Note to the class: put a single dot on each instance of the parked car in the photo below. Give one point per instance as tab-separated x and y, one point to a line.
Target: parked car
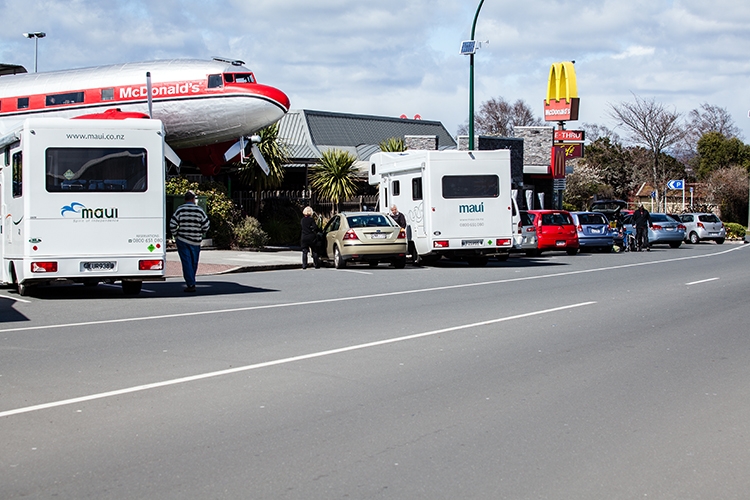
612	209
554	231
703	226
524	239
593	231
369	237
664	230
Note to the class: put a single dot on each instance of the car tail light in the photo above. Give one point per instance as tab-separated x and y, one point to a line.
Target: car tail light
44	267
150	265
350	235
680	226
700	225
579	228
520	227
440	244
531	229
401	234
503	242
656	227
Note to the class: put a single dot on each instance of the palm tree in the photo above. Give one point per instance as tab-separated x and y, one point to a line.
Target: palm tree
334	177
275	154
393	145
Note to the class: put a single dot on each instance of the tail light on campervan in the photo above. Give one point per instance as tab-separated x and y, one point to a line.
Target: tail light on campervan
150	265
44	267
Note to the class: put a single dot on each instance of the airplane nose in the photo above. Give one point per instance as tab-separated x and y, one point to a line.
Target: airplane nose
273	95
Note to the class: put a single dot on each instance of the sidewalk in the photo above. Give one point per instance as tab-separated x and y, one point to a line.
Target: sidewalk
236	261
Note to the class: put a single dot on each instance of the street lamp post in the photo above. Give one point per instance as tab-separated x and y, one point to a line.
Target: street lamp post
36	36
471	81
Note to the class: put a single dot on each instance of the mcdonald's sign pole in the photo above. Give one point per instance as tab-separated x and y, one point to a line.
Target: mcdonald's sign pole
471	81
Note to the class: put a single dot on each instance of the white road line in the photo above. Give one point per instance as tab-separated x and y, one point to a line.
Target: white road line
15	298
283	361
701	281
363	297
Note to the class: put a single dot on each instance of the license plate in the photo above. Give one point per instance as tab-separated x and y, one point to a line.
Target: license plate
596	230
98	266
471	243
560	243
379	236
669	228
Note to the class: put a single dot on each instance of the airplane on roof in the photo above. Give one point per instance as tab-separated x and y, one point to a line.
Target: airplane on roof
205	106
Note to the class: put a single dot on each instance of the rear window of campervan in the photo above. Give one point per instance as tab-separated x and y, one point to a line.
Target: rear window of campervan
96	169
471	186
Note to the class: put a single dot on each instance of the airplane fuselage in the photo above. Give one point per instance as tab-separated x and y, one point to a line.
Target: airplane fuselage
201	103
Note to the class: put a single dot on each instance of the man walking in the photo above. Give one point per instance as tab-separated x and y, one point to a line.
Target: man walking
188	225
641	221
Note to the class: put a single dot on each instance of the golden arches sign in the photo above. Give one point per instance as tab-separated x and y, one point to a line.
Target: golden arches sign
561	103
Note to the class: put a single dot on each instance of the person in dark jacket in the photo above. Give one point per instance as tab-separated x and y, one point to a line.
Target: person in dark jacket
398	216
641	221
308	238
188	226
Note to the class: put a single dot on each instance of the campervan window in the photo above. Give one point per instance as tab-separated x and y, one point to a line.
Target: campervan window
396	186
17	174
416	188
96	169
471	186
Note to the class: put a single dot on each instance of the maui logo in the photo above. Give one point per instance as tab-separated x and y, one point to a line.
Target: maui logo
75	209
471	209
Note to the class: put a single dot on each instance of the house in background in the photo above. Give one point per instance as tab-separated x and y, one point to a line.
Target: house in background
309	133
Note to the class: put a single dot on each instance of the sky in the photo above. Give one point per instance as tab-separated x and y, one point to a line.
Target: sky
397	57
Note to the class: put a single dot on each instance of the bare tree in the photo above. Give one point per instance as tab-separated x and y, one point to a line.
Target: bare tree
651	125
710	118
498	117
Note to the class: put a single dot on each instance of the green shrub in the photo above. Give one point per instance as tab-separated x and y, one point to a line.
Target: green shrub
249	234
219	207
280	219
734	230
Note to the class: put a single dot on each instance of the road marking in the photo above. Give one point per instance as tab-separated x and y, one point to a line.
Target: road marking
701	281
361	297
15	298
283	361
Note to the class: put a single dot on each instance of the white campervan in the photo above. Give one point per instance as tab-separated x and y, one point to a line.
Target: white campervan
457	203
83	201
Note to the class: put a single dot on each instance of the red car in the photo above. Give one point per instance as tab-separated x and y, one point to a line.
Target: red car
555	230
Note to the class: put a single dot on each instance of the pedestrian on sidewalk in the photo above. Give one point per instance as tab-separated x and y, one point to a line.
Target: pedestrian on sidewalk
308	238
188	226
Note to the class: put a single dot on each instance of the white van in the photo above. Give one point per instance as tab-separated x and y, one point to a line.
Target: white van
457	204
82	201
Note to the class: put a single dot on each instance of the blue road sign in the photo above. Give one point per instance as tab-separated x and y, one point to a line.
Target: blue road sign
676	184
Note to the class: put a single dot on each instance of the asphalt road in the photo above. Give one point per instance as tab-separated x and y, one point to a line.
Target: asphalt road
613	376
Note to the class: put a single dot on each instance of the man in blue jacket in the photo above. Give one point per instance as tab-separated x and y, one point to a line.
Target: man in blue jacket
188	226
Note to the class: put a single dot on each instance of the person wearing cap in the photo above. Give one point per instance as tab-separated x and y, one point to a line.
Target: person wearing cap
188	226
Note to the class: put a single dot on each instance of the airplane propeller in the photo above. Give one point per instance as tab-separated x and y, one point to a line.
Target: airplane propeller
239	148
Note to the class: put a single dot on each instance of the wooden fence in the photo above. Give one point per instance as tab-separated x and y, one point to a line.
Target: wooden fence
246	201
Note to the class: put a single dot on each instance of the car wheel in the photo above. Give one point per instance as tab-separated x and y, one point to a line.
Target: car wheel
338	259
720	241
399	262
694	238
571	251
675	244
22	289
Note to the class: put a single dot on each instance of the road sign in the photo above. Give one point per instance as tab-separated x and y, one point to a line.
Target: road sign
676	184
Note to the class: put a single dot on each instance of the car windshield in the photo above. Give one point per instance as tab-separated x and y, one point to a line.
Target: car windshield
370	220
557	219
708	218
591	219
